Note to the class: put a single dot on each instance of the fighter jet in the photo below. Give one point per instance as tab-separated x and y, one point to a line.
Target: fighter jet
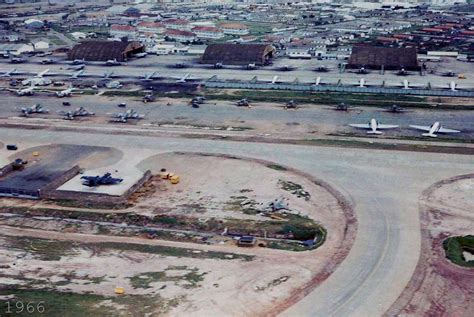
286	68
453	86
251	66
130	114
36	108
77	74
78	67
341	107
402	72
78	62
243	103
9	73
432	129
79	112
291	105
322	69
395	109
112	62
106	179
373	126
449	73
405	84
362	71
362	83
37	80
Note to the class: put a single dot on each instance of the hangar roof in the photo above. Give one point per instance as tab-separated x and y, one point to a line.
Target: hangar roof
103	50
237	54
389	57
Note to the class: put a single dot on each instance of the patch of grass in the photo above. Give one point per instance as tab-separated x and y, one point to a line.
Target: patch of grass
143	280
49	250
59	304
454	248
294	188
276	167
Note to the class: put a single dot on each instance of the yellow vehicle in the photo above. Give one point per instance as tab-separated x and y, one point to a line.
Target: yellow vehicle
462	76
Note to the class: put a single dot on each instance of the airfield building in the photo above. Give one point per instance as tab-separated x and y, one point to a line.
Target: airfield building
238	54
105	50
390	58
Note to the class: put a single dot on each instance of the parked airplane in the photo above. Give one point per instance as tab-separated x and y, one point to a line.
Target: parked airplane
9	73
449	73
130	114
67	92
150	77
185	78
342	107
243	103
402	72
38	80
78	67
291	105
106	179
77	74
114	84
405	84
322	69
78	62
251	66
25	91
362	83
373	125
79	112
112	62
453	86
286	68
108	75
432	129
395	109
362	71
17	60
36	108
218	66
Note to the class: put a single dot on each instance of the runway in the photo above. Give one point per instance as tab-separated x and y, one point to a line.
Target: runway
384	186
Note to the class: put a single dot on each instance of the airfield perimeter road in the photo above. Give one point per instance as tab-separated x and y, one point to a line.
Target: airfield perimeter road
384	186
304	71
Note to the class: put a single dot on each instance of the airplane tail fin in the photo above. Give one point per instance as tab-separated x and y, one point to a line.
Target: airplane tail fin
430	135
374	132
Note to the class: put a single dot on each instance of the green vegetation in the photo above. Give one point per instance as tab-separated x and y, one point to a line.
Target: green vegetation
276	167
59	304
143	280
242	204
52	250
454	248
294	188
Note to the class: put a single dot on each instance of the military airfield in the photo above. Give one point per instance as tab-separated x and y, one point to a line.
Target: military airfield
337	214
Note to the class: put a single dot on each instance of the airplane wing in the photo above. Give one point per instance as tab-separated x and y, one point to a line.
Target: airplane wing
444	130
420	127
386	126
361	125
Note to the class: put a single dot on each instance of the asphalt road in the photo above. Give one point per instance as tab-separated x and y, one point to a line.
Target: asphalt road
384	186
225	113
304	71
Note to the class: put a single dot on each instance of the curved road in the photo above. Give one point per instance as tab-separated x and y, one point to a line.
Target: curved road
385	186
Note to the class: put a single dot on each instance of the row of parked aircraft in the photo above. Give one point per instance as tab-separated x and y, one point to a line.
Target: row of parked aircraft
374	127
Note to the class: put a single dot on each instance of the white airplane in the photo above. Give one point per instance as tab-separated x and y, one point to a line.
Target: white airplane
405	84
9	73
108	75
275	80
373	125
67	92
362	83
114	84
77	74
38	80
25	91
37	108
185	78
149	77
432	129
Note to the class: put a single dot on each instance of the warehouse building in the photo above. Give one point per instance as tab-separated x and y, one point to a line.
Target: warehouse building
238	54
390	58
105	50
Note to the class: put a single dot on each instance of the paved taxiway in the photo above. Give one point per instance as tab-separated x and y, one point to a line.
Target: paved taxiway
384	186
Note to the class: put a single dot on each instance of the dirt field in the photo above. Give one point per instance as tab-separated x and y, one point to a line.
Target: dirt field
199	282
439	287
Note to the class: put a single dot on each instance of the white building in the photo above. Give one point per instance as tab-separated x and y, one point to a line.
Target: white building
40	44
177	24
181	36
151	27
119	31
208	32
235	28
16	49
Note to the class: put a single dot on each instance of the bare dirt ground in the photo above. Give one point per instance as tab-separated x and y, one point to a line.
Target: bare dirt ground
199	286
439	287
